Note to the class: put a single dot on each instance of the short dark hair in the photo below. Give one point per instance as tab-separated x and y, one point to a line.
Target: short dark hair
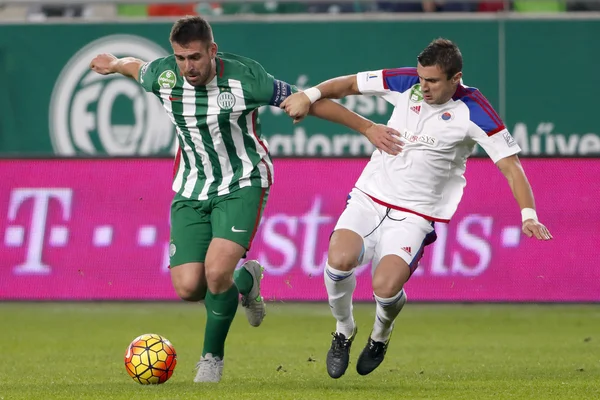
443	53
189	29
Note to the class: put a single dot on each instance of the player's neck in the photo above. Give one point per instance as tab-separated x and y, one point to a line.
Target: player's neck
445	100
213	71
440	103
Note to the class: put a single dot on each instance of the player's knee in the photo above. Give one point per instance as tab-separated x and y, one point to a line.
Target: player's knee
387	286
342	260
391	273
217	279
188	281
386	290
189	291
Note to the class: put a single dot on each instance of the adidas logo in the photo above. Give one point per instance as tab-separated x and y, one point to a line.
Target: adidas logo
416	109
408	250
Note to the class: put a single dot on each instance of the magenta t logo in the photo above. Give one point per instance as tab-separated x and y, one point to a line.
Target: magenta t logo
15	234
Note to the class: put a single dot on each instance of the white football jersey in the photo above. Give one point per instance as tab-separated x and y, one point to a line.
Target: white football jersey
427	177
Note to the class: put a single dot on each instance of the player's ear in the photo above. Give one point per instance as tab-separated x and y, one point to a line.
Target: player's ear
456	79
212	49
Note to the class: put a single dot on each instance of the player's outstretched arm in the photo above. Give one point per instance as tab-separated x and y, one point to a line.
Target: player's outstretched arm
298	104
106	64
381	136
314	101
513	171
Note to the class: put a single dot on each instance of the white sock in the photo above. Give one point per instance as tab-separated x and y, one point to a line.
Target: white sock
386	312
340	287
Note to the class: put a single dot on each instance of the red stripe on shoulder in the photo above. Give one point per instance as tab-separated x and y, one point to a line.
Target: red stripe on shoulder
221	67
484	103
498	129
400	71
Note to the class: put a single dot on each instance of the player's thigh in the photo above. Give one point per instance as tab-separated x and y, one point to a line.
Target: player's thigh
191	234
354	235
236	216
401	246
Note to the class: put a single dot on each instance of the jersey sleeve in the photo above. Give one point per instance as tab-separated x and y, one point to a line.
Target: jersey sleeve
384	81
487	129
148	75
268	90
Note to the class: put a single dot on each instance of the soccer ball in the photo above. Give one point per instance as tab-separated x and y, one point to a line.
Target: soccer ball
150	359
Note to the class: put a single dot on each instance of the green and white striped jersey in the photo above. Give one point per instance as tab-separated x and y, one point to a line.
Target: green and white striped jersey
220	141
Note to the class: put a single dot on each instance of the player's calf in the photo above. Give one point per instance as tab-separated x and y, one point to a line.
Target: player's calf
386	312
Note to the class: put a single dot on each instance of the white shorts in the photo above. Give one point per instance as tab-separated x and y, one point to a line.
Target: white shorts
386	231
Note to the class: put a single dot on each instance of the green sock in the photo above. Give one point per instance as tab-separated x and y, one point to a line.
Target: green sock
220	311
243	280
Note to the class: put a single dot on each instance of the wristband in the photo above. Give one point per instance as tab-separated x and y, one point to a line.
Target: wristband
528	213
313	94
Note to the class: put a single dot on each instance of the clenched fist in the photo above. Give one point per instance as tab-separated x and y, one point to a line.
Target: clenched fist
104	64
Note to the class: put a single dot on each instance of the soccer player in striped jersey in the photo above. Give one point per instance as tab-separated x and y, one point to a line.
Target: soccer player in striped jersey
391	212
223	170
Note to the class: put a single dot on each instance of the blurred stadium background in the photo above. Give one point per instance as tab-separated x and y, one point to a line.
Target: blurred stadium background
85	172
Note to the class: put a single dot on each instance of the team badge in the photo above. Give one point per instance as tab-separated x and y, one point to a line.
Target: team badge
447	116
226	100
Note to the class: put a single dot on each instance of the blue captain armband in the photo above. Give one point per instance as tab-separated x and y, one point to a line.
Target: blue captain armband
281	90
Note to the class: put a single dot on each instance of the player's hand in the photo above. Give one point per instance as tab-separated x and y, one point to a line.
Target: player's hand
385	138
103	64
532	227
296	106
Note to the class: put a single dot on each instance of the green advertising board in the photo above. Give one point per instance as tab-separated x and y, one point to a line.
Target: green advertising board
539	75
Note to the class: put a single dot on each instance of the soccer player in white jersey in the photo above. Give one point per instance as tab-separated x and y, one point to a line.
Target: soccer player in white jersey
223	170
391	211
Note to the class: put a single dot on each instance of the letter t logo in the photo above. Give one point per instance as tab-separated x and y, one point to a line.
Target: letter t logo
58	234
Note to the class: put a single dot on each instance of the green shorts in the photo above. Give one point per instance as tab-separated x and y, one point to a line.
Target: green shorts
195	223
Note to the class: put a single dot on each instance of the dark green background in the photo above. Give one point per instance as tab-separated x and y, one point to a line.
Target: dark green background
551	75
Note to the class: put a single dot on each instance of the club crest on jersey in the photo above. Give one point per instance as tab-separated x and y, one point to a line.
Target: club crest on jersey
226	100
446	116
167	80
416	94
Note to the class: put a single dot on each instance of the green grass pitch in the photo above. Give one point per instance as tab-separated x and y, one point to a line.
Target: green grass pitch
76	350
